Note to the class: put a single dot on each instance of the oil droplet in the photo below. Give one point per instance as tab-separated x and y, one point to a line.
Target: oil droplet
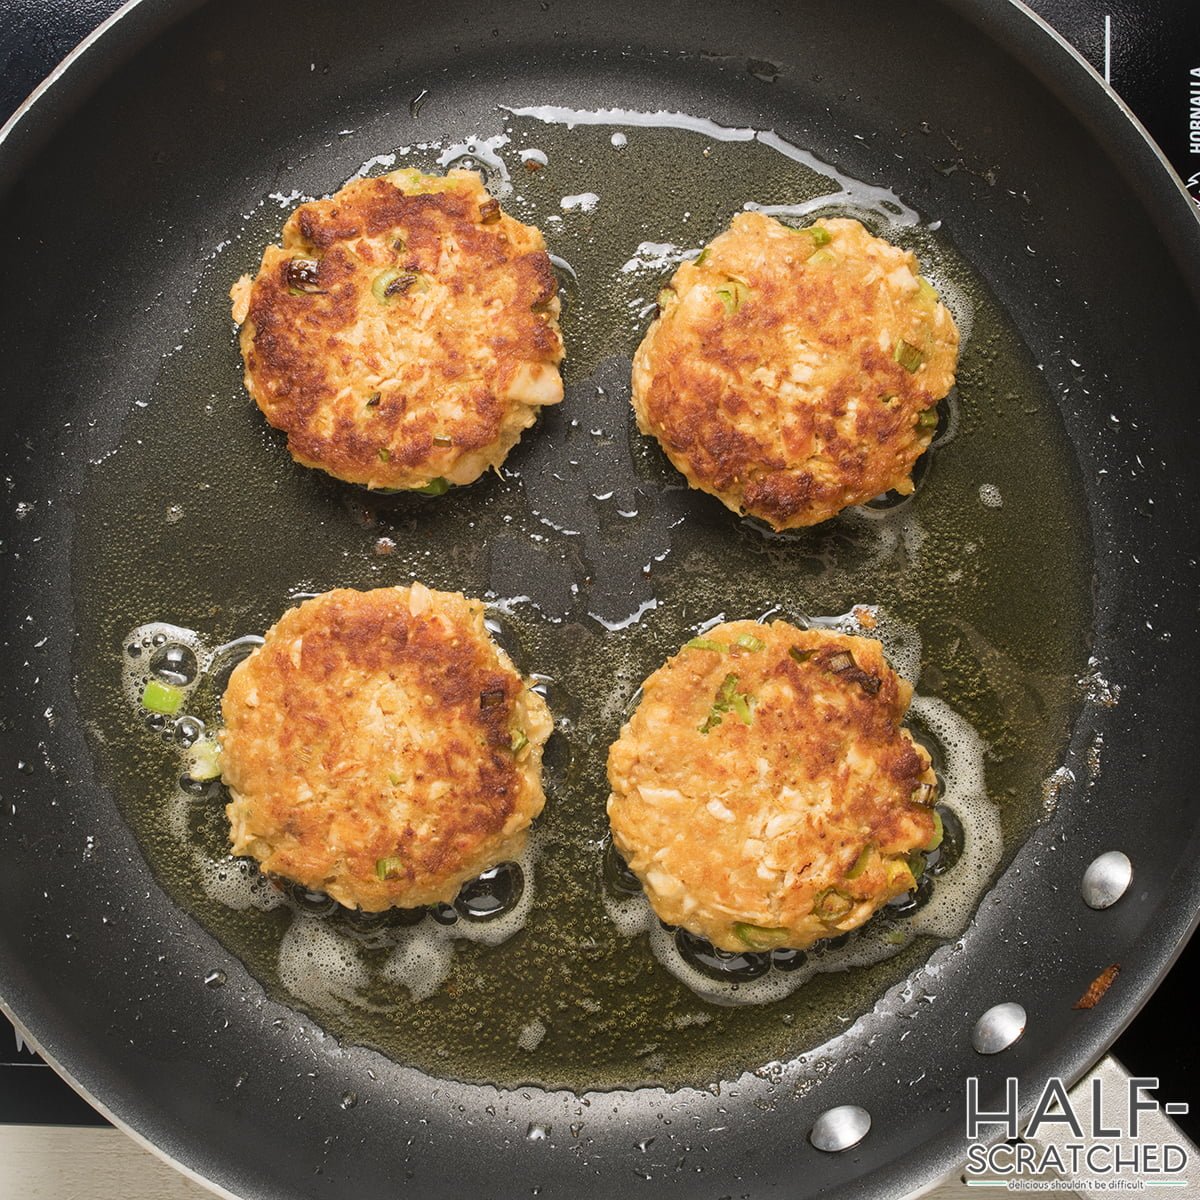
537	1132
215	979
416	103
348	1100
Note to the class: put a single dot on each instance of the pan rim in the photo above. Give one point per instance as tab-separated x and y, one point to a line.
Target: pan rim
1113	95
103	1109
75	73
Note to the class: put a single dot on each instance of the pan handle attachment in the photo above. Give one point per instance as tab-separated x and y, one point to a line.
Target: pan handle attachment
1110	1081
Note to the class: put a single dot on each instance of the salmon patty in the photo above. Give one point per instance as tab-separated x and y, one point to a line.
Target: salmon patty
792	373
764	791
379	747
404	333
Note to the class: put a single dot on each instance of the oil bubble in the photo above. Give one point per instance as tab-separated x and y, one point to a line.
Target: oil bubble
491	893
188	730
175	664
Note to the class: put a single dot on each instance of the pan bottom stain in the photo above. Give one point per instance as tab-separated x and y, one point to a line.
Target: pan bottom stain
597	562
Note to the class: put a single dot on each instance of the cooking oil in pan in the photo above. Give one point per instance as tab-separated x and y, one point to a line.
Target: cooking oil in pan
598	563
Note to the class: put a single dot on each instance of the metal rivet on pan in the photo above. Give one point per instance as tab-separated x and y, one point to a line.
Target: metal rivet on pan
998	1028
1107	879
840	1128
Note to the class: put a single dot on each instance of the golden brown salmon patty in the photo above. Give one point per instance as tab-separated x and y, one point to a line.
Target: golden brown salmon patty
764	791
381	748
793	372
404	333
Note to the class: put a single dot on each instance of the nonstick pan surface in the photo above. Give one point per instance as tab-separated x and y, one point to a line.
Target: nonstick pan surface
1053	216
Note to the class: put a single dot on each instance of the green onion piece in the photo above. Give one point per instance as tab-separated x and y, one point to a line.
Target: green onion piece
303	277
733	295
819	236
916	864
908	356
702	643
927	419
843	660
823	256
801	656
163	698
759	937
435	487
895	937
861	862
935	838
399	244
373	399
664	297
386	868
388	285
749	642
701	256
728	699
899	871
204	761
385	455
831	904
925	793
519	741
442	440
394	779
926	290
379	285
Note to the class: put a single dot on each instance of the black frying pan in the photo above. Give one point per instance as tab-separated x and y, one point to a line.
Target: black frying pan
117	185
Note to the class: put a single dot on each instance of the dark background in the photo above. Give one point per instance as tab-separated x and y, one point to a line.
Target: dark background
1151	48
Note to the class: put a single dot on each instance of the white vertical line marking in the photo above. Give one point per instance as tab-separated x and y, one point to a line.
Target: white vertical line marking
1108	49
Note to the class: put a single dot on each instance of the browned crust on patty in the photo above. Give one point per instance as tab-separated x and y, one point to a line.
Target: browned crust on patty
439	378
752	823
378	727
784	397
